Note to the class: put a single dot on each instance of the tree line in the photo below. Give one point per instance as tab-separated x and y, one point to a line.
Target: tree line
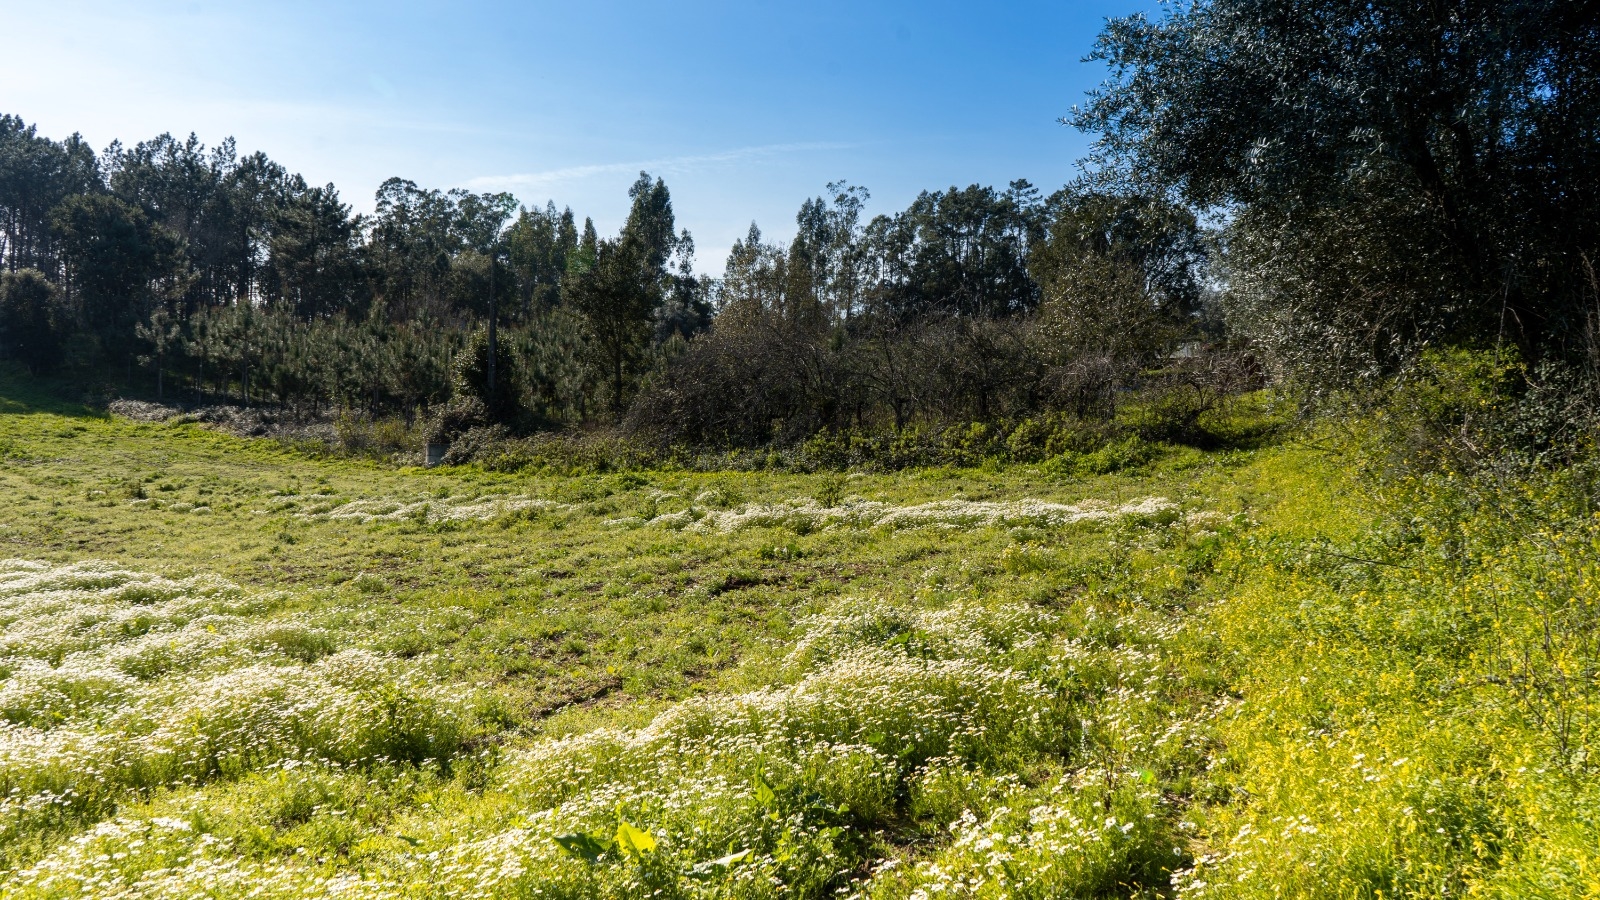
1330	189
196	272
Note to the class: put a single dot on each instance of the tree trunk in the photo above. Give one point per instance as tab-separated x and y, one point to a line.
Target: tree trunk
616	386
494	309
494	347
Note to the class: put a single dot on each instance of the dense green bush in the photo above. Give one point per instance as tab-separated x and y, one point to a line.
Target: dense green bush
33	320
1463	410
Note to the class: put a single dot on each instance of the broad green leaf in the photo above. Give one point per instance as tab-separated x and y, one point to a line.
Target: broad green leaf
764	794
584	846
634	841
718	866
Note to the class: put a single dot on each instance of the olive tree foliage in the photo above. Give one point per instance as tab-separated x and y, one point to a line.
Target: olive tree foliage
1396	174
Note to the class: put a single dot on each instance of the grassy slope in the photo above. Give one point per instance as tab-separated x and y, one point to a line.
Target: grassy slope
551	607
1233	696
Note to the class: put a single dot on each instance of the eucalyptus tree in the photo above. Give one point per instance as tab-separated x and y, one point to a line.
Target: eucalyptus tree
825	261
480	221
615	301
755	275
807	267
618	286
313	263
650	226
686	304
961	251
537	246
411	239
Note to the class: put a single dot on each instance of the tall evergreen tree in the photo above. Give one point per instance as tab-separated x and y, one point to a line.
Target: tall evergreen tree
537	245
650	226
615	299
409	248
31	319
36	175
313	255
119	265
961	252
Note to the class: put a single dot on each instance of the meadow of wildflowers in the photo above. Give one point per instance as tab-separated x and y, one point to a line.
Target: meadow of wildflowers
119	682
1248	675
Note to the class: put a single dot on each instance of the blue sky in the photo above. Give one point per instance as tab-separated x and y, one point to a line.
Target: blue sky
745	109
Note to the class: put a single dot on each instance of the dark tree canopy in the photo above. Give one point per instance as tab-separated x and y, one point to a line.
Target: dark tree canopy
962	251
314	254
611	292
31	319
537	245
1397	172
119	263
212	273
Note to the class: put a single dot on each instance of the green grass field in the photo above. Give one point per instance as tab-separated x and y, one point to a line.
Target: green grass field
237	669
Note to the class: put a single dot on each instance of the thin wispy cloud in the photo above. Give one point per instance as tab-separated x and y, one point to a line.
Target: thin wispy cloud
669	165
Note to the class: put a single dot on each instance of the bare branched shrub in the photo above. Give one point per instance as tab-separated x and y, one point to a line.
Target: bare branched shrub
754	378
1176	397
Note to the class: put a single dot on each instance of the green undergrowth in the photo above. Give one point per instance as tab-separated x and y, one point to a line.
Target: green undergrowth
1144	429
233	668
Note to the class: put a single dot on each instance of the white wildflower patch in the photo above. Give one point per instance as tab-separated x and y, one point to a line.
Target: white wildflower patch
1087	834
764	793
452	508
177	506
807	515
962	630
48	612
747	794
113	680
